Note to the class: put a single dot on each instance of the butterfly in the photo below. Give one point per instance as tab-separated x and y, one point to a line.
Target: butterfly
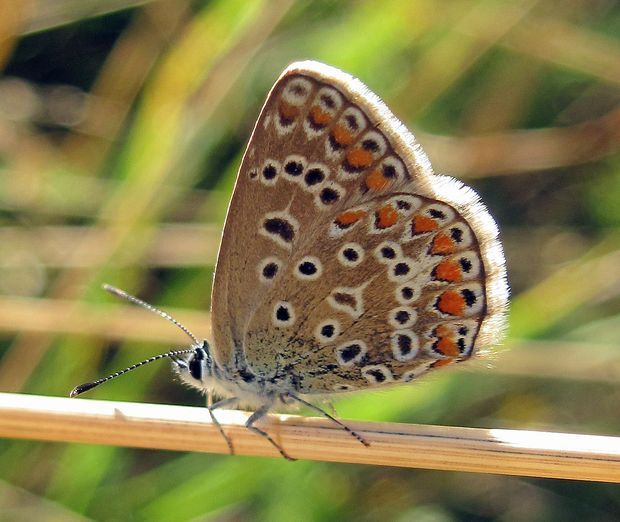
345	264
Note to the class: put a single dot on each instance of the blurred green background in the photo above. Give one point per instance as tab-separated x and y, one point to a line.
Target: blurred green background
122	124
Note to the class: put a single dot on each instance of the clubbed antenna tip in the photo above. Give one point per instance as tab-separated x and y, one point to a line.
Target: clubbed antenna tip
82	388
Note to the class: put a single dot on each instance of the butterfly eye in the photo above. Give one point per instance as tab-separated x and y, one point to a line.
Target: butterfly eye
350	254
196	368
281	228
294	95
353	119
387	252
329	196
270	172
451	240
456	234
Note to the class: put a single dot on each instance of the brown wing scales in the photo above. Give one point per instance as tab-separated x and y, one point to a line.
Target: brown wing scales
340	263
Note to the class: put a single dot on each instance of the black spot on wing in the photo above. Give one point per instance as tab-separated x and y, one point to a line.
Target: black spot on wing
281	228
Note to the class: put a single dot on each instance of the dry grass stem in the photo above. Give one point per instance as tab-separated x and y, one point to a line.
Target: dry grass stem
507	452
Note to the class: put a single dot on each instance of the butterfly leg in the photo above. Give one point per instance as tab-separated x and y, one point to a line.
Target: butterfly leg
258	414
330	417
221	404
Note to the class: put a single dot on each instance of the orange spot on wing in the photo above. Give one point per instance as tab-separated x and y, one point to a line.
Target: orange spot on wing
319	116
443	244
446	344
350	216
443	330
448	271
441	362
448	347
359	158
342	136
423	224
288	111
386	217
451	302
376	180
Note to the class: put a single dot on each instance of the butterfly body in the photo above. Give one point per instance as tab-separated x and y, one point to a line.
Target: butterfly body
345	263
201	371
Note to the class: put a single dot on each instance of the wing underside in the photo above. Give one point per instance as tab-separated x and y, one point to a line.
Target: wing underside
345	262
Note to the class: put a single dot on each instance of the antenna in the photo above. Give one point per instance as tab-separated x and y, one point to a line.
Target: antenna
133	299
90	385
174	354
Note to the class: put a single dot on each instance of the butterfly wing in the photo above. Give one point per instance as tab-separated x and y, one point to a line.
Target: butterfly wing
345	262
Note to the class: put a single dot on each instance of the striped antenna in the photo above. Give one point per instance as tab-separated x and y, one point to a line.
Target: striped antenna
90	385
133	299
169	355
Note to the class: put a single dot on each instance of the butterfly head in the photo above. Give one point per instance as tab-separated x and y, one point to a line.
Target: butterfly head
194	365
197	368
